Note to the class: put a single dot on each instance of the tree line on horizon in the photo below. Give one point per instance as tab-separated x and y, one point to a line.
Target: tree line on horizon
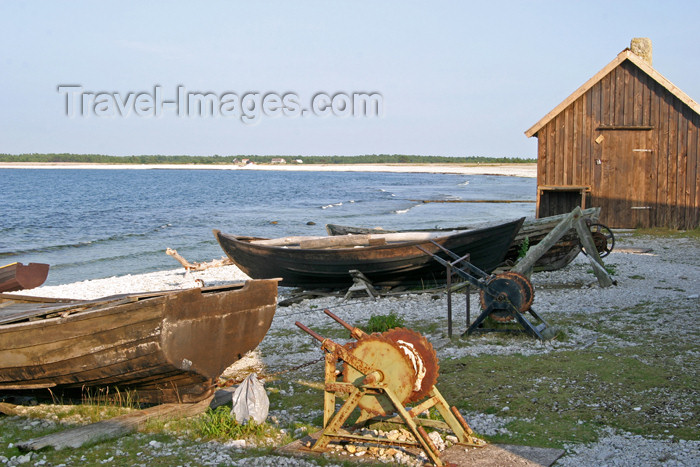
216	159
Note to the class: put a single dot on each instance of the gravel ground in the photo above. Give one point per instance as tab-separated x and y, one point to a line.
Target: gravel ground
668	275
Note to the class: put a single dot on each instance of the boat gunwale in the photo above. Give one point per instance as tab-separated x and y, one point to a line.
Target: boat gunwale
457	234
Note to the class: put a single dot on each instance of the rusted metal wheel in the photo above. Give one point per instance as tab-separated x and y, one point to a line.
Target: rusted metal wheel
603	238
422	356
506	294
384	356
528	292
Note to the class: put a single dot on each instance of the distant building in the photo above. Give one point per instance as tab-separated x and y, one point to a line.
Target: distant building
278	160
298	161
628	141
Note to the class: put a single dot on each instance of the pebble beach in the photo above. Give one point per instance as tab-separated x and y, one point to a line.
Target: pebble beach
650	271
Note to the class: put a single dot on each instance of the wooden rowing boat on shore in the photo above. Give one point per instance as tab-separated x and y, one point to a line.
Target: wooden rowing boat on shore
17	276
325	262
534	230
164	346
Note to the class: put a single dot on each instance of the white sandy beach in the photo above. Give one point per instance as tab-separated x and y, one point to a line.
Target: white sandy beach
514	170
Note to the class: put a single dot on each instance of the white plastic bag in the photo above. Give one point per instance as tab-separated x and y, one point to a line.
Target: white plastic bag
250	401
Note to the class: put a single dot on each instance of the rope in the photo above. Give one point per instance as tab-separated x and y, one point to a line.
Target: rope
234	381
312	310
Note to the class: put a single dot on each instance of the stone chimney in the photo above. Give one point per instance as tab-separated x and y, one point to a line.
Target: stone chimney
642	46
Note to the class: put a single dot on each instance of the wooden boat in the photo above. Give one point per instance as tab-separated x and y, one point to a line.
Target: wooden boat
325	262
17	276
164	346
559	256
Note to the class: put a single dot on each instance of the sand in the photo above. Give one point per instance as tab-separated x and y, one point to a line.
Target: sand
514	170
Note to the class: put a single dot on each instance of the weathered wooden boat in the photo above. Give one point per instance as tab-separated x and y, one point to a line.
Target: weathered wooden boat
385	259
534	230
164	346
17	276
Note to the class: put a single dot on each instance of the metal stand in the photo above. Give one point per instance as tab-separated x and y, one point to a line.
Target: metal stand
450	289
505	297
528	327
380	383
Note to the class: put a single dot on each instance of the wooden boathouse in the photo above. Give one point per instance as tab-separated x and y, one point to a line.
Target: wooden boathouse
627	141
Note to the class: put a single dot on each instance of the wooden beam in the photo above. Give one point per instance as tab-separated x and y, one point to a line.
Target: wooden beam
584	234
524	266
112	428
574	219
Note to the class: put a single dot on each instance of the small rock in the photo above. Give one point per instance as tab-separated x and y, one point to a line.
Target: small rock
23	459
350	448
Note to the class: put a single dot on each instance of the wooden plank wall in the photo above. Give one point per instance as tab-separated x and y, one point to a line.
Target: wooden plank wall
628	97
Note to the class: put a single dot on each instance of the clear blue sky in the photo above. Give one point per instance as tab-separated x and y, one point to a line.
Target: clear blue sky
456	78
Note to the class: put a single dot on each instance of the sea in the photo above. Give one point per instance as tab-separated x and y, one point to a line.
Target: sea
94	223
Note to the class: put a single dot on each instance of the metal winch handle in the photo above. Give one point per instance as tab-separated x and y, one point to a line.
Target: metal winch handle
356	333
475	281
310	332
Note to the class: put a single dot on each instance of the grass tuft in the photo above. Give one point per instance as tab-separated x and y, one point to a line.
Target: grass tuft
220	424
381	323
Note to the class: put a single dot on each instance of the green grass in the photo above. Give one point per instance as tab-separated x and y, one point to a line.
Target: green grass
220	425
382	323
565	397
636	377
524	247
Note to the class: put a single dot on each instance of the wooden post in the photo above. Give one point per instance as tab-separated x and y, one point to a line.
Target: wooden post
586	238
524	266
575	220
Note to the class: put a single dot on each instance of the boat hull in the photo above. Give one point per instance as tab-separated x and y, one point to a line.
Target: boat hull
560	255
167	347
390	264
17	276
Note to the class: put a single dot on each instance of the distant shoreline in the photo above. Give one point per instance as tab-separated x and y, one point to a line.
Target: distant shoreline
528	170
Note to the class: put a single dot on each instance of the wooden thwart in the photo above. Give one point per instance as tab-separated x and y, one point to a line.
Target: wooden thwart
314	242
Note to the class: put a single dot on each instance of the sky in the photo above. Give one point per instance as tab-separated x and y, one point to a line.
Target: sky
289	78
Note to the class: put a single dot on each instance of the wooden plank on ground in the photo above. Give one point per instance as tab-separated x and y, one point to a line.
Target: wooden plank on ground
112	428
8	409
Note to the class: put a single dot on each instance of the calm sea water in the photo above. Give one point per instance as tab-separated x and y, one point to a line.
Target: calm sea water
91	224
